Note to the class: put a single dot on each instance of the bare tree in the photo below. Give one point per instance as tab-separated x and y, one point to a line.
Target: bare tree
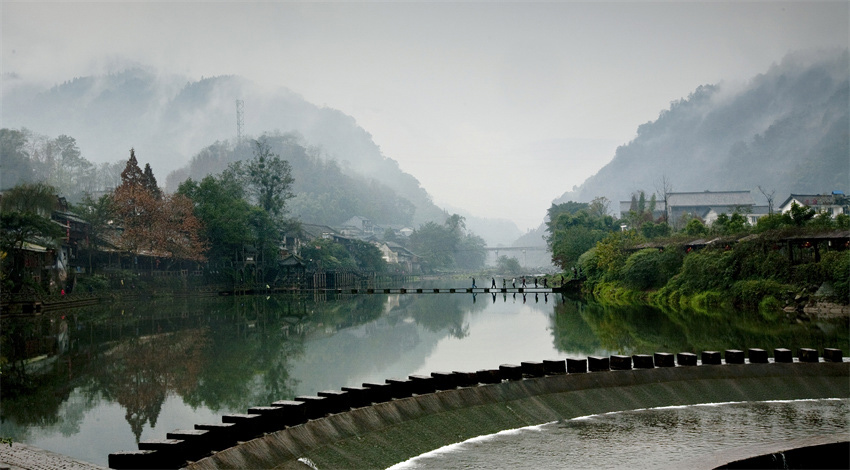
663	188
769	196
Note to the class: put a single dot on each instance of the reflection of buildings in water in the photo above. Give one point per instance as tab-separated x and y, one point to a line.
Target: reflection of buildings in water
62	338
391	303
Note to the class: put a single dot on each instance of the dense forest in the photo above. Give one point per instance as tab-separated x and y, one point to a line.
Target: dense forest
324	192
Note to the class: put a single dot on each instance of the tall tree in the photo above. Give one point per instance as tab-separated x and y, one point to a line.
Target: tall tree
227	218
769	195
15	166
663	188
149	182
25	218
270	179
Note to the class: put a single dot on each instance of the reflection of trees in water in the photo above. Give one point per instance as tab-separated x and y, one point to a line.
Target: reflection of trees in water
142	372
571	332
640	329
438	312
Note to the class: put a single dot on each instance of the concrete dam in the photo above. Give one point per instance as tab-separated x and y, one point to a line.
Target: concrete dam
379	424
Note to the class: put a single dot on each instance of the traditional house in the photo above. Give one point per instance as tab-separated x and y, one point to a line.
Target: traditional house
76	236
397	255
834	204
357	226
707	205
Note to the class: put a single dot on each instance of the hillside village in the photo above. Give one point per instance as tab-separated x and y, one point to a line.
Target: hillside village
56	264
679	207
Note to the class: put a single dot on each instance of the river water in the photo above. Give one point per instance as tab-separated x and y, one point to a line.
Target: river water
92	381
697	436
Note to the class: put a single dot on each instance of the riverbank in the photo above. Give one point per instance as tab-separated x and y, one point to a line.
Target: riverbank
795	308
17	456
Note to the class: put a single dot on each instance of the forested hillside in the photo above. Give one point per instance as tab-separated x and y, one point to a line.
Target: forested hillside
325	193
786	131
169	120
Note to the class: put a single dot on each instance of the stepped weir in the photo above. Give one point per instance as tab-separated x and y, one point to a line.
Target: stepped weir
379	424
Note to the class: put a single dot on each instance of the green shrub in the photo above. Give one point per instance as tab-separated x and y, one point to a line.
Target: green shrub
641	269
836	268
95	282
707	270
770	308
589	264
809	273
752	292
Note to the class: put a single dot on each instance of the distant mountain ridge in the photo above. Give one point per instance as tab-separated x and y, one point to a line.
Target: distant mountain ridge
786	130
170	121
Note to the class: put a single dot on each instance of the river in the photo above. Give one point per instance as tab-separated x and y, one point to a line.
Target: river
91	381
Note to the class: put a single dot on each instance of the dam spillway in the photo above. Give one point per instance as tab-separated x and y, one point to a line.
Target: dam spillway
380	424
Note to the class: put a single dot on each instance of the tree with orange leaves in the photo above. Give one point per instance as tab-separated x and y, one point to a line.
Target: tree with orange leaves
156	224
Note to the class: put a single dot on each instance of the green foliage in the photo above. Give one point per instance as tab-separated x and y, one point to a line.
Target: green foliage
448	246
770	308
737	223
25	213
822	220
752	292
94	283
589	264
706	270
15	165
695	228
367	257
569	207
651	230
611	254
507	265
326	192
650	268
329	255
269	179
571	234
230	222
773	222
801	214
836	267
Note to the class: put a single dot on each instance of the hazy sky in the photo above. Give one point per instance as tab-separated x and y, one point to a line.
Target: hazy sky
497	108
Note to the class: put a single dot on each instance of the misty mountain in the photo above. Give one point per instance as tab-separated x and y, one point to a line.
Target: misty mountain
187	128
785	130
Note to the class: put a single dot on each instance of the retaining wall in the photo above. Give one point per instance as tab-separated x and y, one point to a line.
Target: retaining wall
380	424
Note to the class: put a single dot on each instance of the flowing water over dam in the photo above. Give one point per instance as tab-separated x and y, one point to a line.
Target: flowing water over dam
675	437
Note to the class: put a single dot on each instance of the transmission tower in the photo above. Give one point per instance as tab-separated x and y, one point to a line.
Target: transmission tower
240	123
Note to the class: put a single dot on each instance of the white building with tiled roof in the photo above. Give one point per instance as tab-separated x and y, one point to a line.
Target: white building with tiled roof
707	205
831	203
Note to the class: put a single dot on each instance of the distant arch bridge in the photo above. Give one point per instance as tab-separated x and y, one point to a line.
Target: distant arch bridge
538	254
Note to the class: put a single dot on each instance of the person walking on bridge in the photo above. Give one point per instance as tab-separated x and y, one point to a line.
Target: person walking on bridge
493	282
473	283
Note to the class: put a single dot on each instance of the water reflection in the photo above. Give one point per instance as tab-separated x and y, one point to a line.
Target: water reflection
92	381
644	330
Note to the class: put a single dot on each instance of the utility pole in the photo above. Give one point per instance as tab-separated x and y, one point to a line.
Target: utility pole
240	110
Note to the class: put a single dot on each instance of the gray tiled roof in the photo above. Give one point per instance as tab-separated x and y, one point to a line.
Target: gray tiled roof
711	199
